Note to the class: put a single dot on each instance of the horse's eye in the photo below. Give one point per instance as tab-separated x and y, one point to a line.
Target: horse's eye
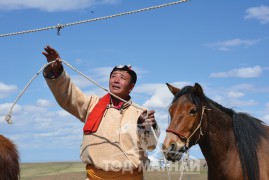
193	111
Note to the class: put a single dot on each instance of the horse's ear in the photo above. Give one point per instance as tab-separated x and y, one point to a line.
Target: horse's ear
173	89
198	90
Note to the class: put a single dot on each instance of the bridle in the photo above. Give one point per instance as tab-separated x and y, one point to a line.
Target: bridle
199	127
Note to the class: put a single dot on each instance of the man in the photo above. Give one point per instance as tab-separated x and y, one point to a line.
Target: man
116	134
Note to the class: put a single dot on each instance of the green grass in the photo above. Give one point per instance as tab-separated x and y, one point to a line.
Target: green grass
36	170
76	171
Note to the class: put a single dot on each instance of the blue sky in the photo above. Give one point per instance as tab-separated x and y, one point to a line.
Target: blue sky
222	45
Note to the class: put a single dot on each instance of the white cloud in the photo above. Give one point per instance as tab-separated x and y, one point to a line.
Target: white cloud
266	119
98	75
4	108
148	88
102	73
231	102
151	88
161	97
267	106
52	6
235	94
43	103
5	89
80	81
238	103
63	113
249	72
36	126
78	62
234	97
232	43
243	87
266	114
219	99
34	109
260	13
97	91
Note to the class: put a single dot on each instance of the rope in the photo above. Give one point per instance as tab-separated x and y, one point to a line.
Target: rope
61	26
160	147
8	117
185	162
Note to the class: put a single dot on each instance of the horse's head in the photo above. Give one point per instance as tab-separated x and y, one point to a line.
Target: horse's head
186	112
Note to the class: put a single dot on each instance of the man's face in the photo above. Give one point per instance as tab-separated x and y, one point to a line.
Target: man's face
120	84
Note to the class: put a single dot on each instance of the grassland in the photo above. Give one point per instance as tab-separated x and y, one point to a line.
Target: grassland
76	171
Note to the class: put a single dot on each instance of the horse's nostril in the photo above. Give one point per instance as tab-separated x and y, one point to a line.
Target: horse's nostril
172	147
183	149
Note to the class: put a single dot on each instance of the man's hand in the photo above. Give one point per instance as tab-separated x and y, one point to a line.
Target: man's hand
146	120
51	54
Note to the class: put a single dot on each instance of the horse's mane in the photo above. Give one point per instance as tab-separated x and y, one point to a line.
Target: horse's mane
248	131
9	160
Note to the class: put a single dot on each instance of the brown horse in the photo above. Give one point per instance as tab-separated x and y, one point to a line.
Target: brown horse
9	160
235	145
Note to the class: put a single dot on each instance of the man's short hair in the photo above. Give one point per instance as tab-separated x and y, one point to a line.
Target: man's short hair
127	68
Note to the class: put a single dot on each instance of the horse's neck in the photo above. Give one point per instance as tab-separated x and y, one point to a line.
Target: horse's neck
219	138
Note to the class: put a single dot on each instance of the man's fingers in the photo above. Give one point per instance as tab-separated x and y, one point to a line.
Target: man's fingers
150	116
150	120
45	54
144	114
48	48
51	54
149	123
151	113
51	50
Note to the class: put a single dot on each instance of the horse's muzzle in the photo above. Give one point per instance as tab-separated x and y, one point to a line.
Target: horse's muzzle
173	152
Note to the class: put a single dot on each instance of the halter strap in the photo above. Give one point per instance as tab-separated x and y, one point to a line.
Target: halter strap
180	135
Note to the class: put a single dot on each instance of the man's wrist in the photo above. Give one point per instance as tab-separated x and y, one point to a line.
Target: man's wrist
52	73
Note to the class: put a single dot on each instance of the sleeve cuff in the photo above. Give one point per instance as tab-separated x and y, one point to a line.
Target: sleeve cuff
52	74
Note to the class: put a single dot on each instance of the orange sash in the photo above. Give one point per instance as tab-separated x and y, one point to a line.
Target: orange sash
95	117
98	174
